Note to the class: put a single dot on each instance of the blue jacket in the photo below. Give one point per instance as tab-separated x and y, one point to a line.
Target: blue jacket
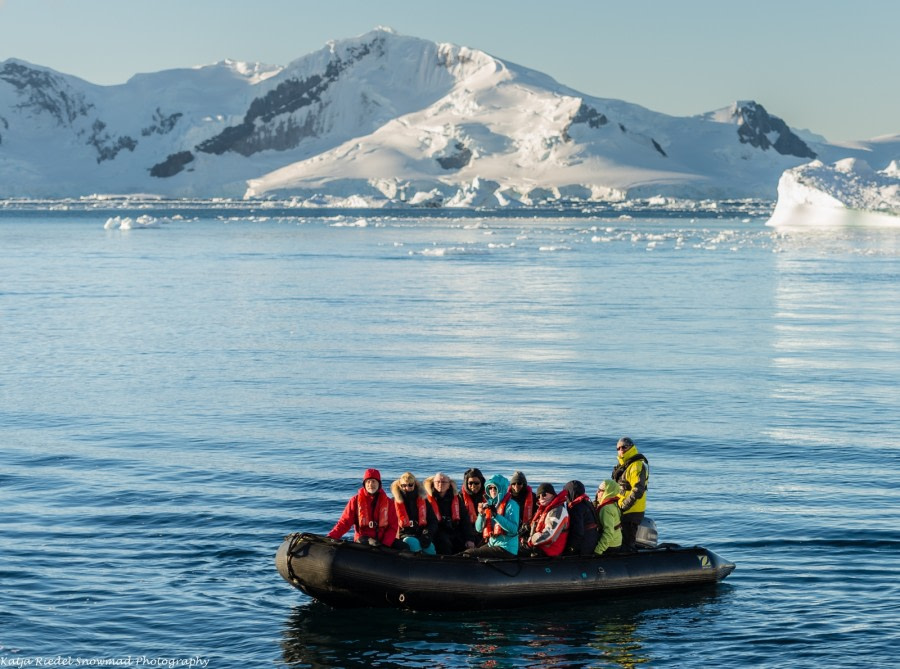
508	521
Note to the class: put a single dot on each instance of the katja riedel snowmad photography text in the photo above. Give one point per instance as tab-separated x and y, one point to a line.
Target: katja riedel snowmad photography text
124	661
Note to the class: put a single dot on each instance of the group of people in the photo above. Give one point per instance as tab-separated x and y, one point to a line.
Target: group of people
500	517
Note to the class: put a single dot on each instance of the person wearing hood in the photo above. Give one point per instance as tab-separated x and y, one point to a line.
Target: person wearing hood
371	514
498	521
609	518
415	516
451	523
470	496
520	491
550	526
583	534
632	473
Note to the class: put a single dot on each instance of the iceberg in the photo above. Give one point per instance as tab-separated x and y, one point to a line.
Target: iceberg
847	192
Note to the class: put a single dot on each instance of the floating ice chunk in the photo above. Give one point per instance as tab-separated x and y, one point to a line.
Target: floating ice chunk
128	223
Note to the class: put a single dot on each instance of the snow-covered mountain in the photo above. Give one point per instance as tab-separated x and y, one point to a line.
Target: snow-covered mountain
383	118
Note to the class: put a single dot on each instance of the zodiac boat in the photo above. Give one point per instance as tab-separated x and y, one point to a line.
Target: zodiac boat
344	574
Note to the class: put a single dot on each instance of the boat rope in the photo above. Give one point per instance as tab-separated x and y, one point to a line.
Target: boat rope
295	539
496	564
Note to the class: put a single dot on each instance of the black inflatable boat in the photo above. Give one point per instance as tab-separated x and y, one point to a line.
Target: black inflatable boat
345	574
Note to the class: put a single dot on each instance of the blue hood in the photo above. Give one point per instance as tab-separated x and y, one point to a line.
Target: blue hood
502	484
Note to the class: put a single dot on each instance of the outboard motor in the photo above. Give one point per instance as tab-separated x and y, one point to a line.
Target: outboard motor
647	536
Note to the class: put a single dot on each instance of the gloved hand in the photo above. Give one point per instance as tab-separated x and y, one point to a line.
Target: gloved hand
374	542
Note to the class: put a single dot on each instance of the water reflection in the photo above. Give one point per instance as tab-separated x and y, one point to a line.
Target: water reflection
614	634
835	356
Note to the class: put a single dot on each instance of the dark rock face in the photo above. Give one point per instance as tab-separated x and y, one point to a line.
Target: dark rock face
43	92
457	160
107	146
172	165
161	124
257	131
755	125
589	115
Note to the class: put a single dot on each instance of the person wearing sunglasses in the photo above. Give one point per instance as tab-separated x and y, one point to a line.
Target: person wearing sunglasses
632	473
471	495
520	491
415	516
550	526
498	521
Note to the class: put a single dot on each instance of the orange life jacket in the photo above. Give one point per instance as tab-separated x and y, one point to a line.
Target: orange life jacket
470	505
454	508
403	517
527	507
490	527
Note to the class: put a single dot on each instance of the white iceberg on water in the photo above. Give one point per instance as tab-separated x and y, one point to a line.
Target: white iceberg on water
848	192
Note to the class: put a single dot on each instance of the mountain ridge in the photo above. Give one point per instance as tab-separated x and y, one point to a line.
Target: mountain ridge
388	119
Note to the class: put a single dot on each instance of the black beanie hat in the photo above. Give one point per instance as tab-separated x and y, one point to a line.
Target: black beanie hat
518	477
545	487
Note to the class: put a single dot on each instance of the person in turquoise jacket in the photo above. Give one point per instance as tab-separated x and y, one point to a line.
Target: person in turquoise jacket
498	521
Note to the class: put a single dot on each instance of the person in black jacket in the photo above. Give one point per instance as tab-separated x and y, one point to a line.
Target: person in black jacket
470	496
449	525
583	531
415	516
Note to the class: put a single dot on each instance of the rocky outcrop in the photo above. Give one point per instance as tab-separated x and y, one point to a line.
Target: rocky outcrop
108	146
461	157
45	92
162	124
257	132
172	165
755	125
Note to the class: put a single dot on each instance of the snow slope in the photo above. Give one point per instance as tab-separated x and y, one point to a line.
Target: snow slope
382	119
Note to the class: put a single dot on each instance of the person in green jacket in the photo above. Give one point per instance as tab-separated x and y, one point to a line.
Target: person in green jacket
609	518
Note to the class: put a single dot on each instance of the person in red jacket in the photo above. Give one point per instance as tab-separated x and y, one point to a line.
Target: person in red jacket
371	514
550	525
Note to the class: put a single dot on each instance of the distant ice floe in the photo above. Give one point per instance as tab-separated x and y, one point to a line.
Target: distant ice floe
849	192
129	223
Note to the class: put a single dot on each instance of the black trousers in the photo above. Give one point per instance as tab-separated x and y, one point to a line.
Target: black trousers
630	524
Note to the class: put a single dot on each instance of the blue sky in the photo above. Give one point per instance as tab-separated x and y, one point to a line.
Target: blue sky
830	66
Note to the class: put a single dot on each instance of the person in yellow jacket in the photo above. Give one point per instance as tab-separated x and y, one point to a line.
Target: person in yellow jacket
632	473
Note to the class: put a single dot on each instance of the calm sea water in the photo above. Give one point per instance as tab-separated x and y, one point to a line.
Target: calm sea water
175	398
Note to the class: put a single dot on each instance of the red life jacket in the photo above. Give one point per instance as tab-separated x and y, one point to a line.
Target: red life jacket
581	499
368	526
609	500
470	505
403	517
454	508
557	545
